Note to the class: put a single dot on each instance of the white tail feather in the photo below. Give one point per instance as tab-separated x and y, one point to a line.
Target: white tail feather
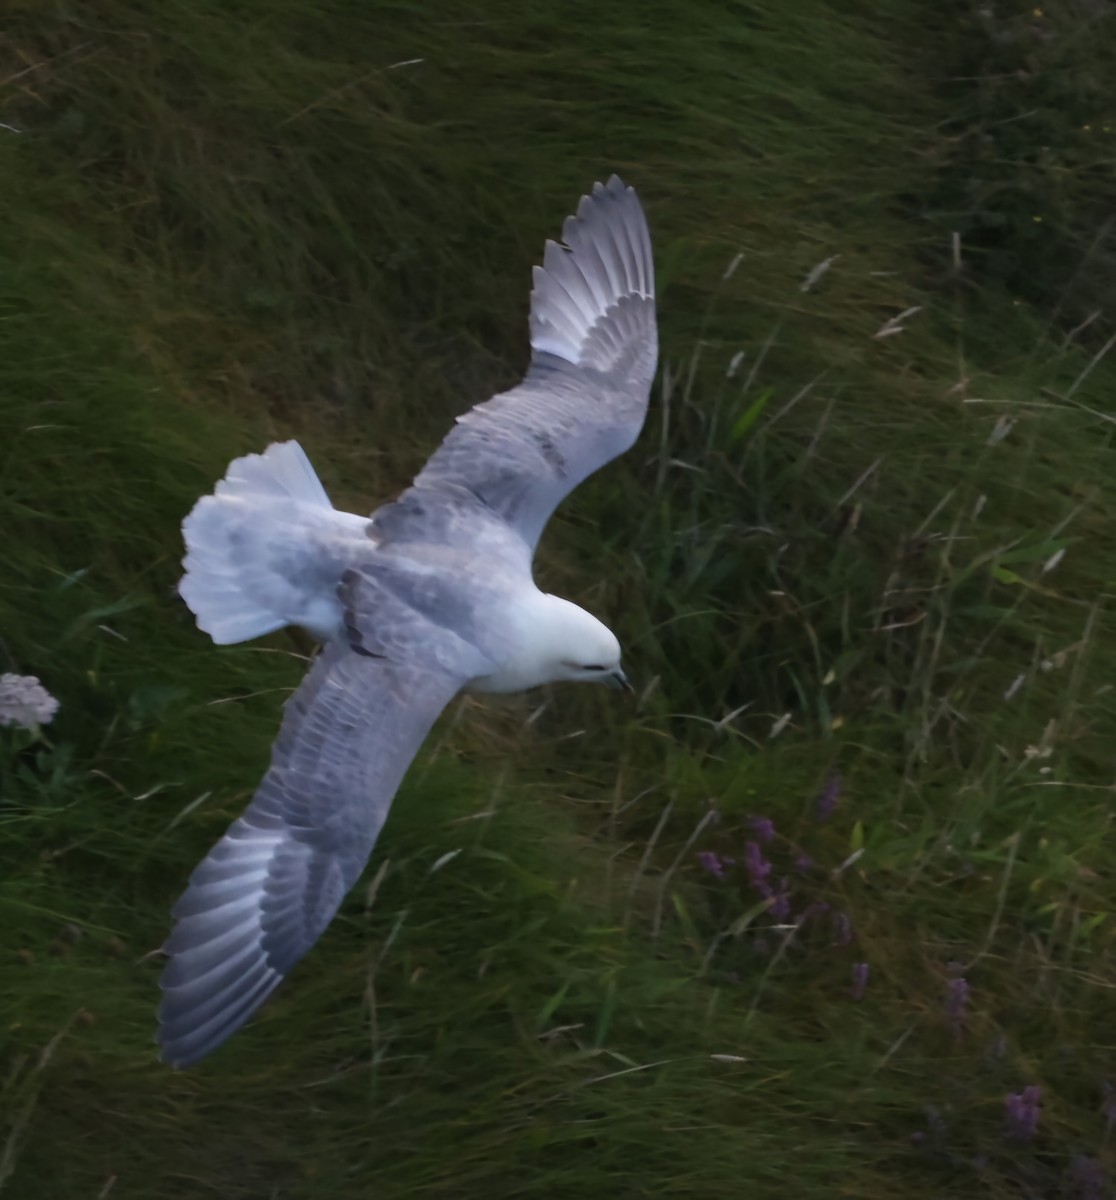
282	470
266	549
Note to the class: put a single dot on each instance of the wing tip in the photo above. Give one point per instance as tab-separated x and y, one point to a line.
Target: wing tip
606	260
186	1037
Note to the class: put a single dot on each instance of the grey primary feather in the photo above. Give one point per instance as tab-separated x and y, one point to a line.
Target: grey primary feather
584	398
269	888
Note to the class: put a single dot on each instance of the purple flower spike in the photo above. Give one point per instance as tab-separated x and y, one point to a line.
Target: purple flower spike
827	798
842	928
756	865
1089	1178
860	980
780	906
957	1003
803	863
1021	1110
712	863
763	828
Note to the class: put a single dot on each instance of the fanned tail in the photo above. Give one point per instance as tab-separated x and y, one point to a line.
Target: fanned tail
259	549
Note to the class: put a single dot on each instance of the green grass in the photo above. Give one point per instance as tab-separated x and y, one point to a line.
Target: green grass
226	223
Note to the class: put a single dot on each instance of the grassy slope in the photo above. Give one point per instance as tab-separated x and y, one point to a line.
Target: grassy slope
223	223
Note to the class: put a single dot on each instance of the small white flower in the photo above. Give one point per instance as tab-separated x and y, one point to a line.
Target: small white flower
24	702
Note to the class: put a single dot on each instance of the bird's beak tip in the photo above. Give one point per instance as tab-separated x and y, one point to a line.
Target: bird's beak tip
620	681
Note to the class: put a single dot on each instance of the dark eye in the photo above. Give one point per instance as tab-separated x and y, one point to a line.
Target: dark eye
594	667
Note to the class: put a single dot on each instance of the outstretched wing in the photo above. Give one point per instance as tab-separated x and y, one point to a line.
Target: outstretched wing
269	888
594	349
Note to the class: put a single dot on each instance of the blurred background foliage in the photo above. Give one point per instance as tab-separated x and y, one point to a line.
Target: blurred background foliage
862	552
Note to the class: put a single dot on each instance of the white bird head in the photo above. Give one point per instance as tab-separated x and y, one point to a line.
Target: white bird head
582	649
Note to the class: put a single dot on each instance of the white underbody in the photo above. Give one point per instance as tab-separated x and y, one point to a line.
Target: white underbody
268	550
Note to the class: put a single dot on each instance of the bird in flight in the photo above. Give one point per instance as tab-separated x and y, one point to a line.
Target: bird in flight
431	594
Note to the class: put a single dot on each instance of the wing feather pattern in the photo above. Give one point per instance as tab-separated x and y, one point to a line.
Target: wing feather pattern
594	349
269	888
